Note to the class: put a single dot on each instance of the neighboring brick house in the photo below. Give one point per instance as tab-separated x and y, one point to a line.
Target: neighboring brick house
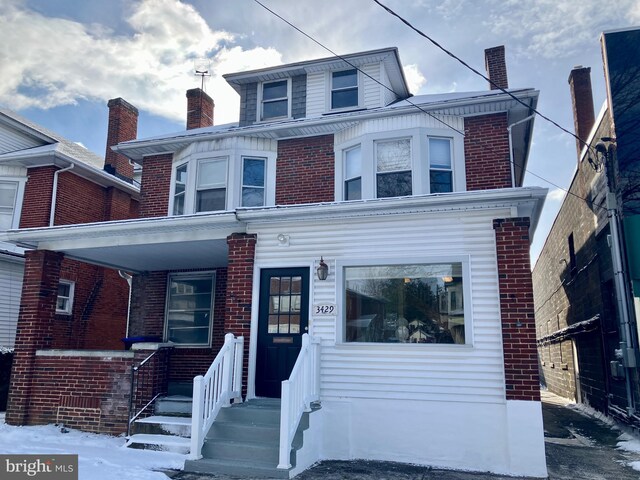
47	180
392	228
585	322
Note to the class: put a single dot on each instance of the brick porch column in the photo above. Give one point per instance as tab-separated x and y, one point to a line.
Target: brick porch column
522	380
242	247
35	322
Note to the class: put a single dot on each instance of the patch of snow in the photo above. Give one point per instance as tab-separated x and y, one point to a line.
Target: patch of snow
4	350
629	443
101	457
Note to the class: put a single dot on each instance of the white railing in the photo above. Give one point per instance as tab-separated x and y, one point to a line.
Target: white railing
216	389
302	388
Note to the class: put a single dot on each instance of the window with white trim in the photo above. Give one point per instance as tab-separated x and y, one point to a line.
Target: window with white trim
211	185
253	181
189	312
180	189
275	100
344	89
8	202
353	173
440	166
393	168
405	303
64	302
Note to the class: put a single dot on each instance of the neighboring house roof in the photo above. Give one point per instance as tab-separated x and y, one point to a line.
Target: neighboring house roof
58	151
388	56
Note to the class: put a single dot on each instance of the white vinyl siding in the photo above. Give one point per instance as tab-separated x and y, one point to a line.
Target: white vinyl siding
12	140
447	373
316	94
11	274
371	88
387	93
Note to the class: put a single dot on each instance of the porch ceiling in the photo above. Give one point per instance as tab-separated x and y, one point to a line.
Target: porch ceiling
172	243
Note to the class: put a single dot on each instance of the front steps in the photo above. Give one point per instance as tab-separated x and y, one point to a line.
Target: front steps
244	442
169	429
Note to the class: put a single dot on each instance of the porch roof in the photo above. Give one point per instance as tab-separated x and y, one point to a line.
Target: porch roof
166	243
199	241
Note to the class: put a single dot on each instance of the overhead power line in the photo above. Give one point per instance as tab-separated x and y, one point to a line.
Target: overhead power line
589	203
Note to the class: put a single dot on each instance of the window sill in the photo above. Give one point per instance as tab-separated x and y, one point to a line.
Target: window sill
427	347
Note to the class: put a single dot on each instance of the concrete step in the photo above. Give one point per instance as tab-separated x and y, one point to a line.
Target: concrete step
180	388
163	425
234	468
241	451
167	443
174	405
244	432
253	412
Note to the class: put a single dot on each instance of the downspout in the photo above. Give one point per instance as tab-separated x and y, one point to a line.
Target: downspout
513	173
129	280
54	194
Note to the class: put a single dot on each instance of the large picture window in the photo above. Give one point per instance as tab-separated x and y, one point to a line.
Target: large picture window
393	166
190	308
405	303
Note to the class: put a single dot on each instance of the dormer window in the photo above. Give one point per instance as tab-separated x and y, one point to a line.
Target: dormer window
344	89
275	100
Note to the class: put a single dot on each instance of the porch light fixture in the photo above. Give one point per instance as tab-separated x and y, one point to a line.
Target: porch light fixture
283	240
322	270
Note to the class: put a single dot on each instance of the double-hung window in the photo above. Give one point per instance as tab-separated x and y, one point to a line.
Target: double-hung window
393	168
180	190
190	302
8	199
253	181
353	173
344	89
211	185
275	100
64	302
405	303
440	166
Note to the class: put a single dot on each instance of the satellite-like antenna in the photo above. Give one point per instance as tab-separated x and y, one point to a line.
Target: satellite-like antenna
201	67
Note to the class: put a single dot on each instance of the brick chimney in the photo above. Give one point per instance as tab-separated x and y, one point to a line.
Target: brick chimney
123	126
582	102
199	109
494	62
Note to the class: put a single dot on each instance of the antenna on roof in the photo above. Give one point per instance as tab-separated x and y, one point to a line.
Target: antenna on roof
201	67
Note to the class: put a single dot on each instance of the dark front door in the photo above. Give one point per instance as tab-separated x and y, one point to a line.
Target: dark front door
283	317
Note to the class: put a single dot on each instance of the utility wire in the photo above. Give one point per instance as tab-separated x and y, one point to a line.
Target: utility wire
452	55
589	203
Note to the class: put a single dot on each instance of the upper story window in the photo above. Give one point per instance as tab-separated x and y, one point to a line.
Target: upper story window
353	173
253	182
11	193
440	166
180	190
275	100
344	89
393	168
412	161
211	185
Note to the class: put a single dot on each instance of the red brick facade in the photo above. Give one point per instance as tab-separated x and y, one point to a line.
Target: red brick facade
37	197
522	380
35	328
486	148
155	186
123	126
496	66
240	290
305	170
199	109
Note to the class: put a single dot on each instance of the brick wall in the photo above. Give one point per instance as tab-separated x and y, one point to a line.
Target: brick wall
305	170
36	204
156	186
199	109
78	200
240	290
567	295
486	148
94	395
35	327
122	126
522	380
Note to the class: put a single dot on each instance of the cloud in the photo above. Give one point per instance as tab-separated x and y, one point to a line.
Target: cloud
415	78
556	195
49	62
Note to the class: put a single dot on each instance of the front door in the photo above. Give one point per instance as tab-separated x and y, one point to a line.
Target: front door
283	316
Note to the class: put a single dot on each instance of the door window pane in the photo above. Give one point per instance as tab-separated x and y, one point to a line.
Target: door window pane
285	300
405	303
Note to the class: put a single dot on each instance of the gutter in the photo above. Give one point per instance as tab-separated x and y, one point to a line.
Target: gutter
54	194
513	173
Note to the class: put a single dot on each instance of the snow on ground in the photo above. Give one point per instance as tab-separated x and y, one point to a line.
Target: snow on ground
629	443
101	457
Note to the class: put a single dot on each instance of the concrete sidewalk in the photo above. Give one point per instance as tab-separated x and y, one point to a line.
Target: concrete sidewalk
578	447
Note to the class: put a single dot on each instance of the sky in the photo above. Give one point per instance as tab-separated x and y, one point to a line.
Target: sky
62	60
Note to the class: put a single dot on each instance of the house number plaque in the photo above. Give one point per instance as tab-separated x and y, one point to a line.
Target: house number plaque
327	309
